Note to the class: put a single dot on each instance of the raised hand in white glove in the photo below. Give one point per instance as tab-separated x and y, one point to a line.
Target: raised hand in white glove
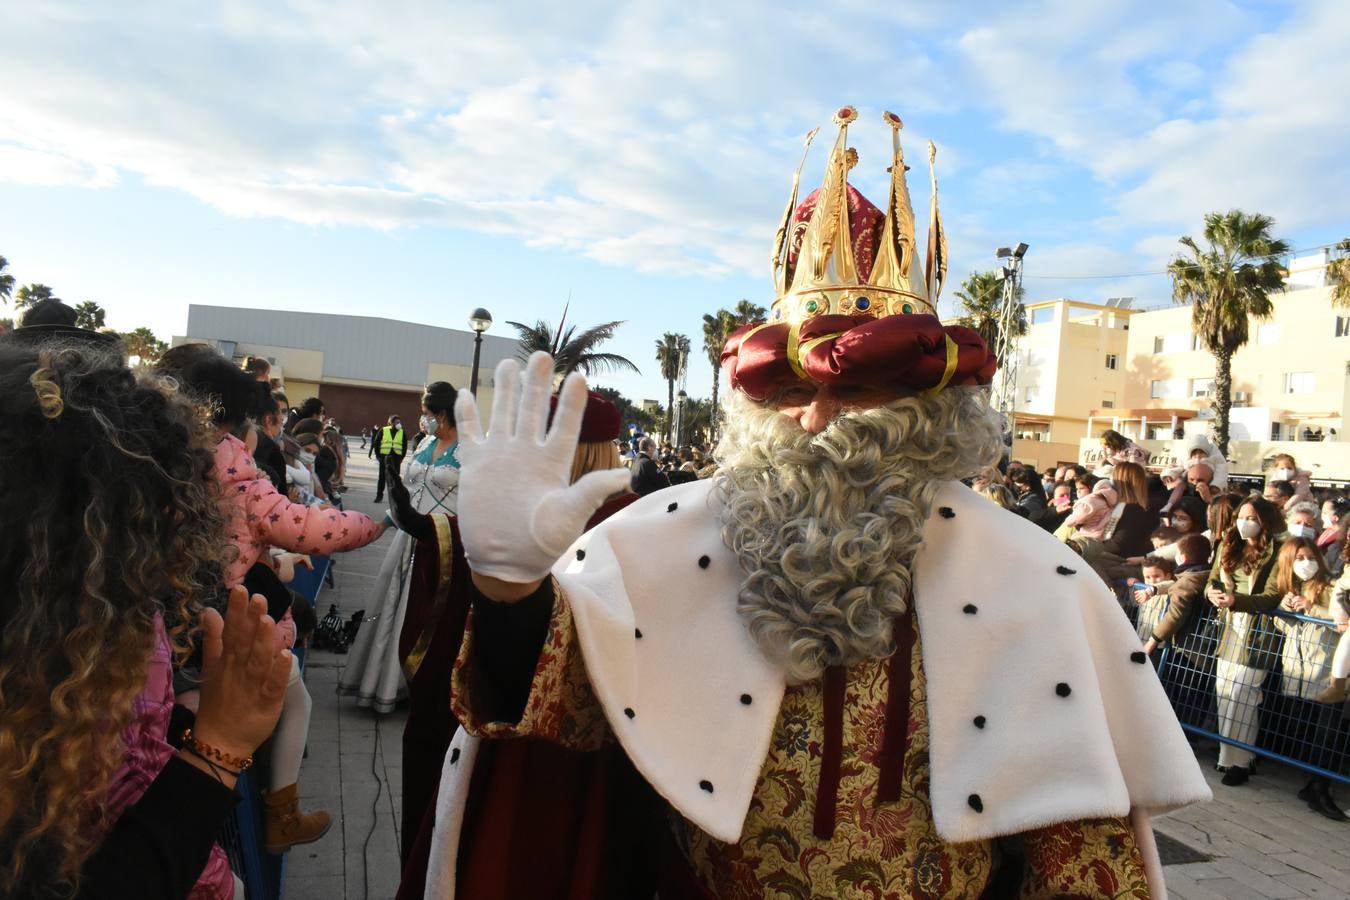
517	511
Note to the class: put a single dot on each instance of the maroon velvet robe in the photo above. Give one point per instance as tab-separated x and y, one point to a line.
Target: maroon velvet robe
578	813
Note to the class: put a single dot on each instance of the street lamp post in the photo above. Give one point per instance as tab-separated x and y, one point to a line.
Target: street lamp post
480	320
680	398
1006	347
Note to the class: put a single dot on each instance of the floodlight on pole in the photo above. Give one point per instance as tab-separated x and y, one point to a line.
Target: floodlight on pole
480	320
1003	252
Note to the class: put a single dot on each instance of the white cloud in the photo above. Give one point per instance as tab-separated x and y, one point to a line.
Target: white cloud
22	165
654	138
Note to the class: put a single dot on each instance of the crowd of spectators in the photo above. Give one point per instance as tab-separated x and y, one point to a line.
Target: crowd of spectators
1248	590
157	514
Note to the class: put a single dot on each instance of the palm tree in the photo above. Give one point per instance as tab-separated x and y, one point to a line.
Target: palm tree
1338	273
672	355
981	296
143	343
30	294
89	315
572	351
717	327
1227	285
6	281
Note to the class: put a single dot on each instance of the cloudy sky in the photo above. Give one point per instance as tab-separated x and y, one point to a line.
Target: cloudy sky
417	159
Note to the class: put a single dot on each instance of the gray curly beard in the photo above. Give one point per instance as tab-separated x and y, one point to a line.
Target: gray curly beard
826	526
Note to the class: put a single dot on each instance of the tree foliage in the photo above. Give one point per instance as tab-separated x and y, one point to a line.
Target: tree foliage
1338	274
89	315
33	293
981	296
572	350
629	412
1227	284
143	343
6	281
672	355
717	327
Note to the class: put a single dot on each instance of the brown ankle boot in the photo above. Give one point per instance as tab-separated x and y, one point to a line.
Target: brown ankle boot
1334	694
286	825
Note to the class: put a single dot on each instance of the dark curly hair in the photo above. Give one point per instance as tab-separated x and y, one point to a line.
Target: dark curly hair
110	516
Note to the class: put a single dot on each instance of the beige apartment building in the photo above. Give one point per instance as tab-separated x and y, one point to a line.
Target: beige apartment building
1070	363
1086	367
1289	381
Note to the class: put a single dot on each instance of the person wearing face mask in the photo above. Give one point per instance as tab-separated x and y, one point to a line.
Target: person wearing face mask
1305	662
1242	586
267	453
1286	470
388	447
1335	523
1302	521
373	674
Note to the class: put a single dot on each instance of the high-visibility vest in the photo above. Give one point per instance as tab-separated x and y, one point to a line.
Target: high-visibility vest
391	441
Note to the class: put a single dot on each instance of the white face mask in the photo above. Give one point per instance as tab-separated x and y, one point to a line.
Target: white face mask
430	424
1300	530
306	457
1284	474
1248	529
1305	569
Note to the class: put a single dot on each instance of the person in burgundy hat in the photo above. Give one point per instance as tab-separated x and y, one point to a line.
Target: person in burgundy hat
438	600
827	663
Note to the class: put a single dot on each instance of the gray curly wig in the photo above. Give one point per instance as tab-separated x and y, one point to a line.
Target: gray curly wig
826	526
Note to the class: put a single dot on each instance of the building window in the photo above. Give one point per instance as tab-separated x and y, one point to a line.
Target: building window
1043	315
1342	326
1299	382
1170	387
1033	394
1108	404
1112	361
1268	333
1275	431
1202	387
1175	343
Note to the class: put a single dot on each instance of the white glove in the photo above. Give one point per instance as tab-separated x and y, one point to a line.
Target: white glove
517	512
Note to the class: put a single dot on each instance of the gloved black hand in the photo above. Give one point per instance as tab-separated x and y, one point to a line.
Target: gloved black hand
401	510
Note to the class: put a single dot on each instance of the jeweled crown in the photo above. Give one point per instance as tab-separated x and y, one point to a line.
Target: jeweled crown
834	254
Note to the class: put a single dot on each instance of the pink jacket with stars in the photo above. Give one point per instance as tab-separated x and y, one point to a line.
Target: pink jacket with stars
259	517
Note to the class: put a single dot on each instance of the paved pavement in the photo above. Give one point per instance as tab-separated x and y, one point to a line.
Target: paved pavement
1262	841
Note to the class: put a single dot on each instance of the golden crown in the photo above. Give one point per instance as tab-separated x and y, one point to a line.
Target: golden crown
831	257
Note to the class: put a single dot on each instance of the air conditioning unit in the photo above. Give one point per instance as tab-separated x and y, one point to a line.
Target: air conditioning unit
1241	398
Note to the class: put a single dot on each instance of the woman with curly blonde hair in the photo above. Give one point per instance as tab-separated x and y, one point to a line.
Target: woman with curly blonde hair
112	552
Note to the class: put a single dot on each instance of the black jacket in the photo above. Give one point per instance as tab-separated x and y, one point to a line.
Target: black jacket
647	476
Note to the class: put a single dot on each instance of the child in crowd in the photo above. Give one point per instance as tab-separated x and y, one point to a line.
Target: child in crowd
1200	449
1151	593
1062	496
1090	514
1164	536
1174	479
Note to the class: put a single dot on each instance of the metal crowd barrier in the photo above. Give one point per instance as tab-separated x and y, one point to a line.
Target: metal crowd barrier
1269	706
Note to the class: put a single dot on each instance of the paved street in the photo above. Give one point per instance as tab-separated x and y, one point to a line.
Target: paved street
1262	841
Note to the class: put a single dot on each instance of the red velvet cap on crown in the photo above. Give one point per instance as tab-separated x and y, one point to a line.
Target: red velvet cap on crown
599	423
854	305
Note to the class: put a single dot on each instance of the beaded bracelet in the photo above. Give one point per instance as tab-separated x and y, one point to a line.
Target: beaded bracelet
215	769
209	753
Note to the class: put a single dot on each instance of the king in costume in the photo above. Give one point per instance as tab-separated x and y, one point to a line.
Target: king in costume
839	671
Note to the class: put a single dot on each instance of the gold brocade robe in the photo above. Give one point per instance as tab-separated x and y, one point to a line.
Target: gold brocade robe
888	850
